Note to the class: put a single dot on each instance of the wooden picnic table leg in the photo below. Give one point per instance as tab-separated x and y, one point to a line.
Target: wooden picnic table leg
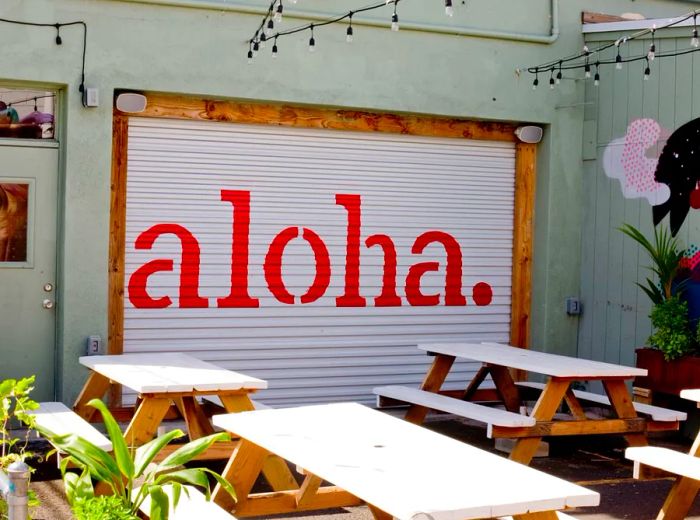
147	418
679	499
545	408
197	423
432	383
95	387
241	471
378	514
682	494
475	383
621	402
275	469
506	387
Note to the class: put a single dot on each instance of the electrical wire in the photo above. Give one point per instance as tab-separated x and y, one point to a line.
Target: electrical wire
59	41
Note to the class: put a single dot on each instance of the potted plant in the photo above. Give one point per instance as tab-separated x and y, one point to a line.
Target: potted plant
669	361
128	474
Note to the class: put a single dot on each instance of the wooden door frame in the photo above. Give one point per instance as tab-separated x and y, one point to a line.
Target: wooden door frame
180	107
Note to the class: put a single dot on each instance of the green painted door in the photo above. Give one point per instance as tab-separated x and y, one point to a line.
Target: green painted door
28	217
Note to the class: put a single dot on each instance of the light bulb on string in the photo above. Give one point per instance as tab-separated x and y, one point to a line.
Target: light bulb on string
695	41
263	39
652	48
278	12
256	48
551	80
596	78
395	20
250	53
618	61
536	80
449	10
270	27
587	70
559	75
349	31
647	71
312	40
274	48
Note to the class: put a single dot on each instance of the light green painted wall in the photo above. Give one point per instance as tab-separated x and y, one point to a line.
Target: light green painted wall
615	321
201	52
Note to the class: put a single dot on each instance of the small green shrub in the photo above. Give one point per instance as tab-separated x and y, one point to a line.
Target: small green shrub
672	334
106	507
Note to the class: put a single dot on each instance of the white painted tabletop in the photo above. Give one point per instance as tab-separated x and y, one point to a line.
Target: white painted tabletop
406	470
532	361
692	394
169	372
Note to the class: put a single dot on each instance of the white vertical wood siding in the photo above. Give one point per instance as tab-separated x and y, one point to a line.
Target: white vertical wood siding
317	352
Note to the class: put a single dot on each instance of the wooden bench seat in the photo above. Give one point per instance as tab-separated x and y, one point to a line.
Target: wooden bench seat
486	414
191	505
60	419
664	459
655	412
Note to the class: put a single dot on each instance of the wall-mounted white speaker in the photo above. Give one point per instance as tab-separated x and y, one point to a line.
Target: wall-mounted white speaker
529	134
131	102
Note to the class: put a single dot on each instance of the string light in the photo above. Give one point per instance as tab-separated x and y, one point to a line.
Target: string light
596	78
250	53
559	75
312	40
583	60
278	12
59	40
275	10
274	48
536	81
394	20
652	48
349	31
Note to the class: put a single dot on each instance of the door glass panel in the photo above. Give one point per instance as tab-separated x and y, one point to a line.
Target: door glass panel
27	114
15	215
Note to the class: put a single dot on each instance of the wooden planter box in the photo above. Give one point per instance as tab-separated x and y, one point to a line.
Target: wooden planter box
668	377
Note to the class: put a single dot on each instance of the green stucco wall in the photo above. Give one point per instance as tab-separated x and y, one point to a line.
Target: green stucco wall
201	52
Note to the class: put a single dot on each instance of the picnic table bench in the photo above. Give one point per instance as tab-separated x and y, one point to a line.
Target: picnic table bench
686	467
498	361
397	468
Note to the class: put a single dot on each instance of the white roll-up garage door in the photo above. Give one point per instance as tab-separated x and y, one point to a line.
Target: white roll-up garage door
315	259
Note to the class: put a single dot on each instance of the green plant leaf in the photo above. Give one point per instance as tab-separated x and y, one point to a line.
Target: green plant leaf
101	465
193	476
119	447
159	509
190	450
146	453
78	486
223	483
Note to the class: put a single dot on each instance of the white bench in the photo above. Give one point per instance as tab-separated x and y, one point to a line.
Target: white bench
192	504
655	412
59	419
665	459
486	414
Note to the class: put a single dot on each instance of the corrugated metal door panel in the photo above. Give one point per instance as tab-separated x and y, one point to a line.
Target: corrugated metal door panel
316	352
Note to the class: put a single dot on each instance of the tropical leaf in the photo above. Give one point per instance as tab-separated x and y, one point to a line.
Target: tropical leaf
146	453
190	450
119	447
160	506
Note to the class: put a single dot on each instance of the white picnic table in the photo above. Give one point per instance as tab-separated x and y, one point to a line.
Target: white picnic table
561	371
162	380
685	467
399	469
